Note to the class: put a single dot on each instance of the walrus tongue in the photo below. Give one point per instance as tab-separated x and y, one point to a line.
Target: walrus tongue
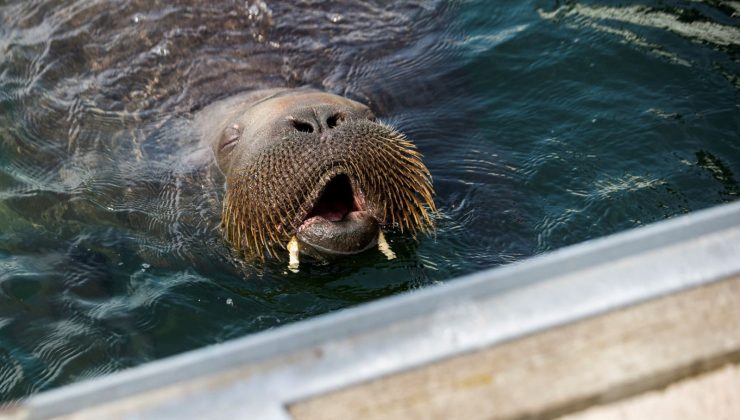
333	211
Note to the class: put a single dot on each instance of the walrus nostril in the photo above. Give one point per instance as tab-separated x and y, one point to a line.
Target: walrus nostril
302	126
335	120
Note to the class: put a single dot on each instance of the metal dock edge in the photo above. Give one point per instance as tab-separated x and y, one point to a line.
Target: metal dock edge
277	374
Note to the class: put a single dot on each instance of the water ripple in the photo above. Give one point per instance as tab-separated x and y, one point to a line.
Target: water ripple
542	123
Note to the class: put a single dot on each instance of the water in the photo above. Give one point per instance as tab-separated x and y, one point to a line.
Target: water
543	123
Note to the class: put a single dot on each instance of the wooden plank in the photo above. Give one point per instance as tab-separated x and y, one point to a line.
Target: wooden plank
714	395
559	371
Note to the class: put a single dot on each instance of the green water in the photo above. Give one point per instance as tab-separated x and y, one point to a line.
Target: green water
543	123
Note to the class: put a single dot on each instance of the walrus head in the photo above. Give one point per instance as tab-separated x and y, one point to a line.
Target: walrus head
315	169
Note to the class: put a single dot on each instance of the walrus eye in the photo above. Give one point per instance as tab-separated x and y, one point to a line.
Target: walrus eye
335	120
231	136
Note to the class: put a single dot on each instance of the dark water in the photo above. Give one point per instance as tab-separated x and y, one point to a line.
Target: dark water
543	123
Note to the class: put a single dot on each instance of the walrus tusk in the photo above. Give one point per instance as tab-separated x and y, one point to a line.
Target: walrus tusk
384	247
293	255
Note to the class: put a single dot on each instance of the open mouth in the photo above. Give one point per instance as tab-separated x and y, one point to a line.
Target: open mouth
338	223
336	201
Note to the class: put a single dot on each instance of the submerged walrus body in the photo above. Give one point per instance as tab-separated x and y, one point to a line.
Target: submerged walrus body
312	171
119	90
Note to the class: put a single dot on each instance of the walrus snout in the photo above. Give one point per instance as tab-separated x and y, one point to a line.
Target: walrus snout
314	173
338	223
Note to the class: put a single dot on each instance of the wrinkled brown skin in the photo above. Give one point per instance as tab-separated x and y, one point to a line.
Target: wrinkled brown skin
238	127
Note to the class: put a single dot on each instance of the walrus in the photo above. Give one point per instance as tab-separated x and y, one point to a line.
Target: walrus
313	173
